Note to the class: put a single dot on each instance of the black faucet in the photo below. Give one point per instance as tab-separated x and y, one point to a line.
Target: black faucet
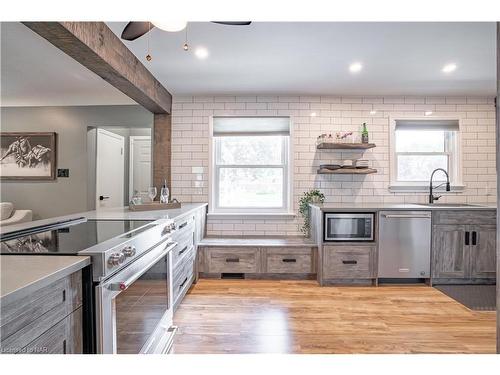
432	198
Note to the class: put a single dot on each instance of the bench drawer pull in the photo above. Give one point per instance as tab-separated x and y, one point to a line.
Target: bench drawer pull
350	261
289	260
232	260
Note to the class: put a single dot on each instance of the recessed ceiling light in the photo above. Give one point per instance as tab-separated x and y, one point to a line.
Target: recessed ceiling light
170	25
201	52
313	114
428	113
372	112
448	68
355	67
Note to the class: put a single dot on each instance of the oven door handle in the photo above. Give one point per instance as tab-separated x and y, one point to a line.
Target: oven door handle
123	285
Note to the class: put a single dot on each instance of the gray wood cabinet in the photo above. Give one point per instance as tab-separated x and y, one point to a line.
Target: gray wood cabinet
190	231
483	254
466	251
276	262
450	253
46	321
349	262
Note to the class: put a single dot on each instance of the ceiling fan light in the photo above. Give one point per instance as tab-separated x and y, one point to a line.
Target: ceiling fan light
170	25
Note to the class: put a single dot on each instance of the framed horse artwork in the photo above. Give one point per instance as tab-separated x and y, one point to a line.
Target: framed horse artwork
28	156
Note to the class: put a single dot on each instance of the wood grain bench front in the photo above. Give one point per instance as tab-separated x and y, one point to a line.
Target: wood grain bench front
265	258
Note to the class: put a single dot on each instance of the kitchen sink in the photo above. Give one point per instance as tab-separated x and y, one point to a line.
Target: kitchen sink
447	205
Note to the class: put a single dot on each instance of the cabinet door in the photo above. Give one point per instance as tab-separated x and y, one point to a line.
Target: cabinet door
483	251
449	252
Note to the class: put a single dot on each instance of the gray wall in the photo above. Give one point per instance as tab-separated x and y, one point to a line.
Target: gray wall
64	195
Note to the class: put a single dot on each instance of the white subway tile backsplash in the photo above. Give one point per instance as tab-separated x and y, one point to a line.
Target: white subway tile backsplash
190	119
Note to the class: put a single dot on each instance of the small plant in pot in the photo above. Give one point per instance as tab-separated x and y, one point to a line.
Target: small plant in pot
311	196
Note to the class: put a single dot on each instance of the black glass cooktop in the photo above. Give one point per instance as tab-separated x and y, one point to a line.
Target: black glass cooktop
67	239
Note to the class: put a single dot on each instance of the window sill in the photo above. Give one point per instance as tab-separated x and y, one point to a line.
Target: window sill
424	189
251	215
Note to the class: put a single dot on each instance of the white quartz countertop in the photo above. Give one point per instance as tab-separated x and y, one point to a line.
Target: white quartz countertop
21	275
118	213
401	206
123	213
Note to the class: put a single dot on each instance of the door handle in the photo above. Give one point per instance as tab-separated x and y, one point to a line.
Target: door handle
467	238
102	197
474	238
402	216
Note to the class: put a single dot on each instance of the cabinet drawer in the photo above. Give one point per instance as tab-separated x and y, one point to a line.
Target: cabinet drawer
63	338
183	276
184	246
185	262
289	261
221	260
348	262
488	217
25	319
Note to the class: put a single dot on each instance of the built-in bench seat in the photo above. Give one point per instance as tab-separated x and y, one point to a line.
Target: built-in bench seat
274	258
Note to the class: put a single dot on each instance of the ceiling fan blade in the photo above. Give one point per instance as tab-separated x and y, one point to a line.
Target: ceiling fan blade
233	23
134	30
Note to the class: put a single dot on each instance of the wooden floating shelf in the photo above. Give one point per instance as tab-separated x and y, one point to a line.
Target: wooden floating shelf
345	146
347	171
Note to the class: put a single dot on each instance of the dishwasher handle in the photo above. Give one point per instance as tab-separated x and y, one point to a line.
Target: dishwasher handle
407	216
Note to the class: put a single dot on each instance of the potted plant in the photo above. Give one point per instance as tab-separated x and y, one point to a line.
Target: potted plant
311	196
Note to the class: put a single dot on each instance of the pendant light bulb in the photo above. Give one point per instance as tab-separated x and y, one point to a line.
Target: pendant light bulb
185	47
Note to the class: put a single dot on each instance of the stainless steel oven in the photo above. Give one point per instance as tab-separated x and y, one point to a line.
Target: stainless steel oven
134	306
349	226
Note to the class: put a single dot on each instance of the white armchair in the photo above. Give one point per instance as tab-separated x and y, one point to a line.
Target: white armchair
10	216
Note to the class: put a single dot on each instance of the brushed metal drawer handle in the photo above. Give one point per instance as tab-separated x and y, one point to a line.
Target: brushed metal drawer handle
183	250
289	260
232	260
350	261
183	283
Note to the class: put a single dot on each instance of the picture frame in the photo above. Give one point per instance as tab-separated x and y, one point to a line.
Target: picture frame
28	156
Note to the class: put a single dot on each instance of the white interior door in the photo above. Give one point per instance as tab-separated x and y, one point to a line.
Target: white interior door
110	169
140	165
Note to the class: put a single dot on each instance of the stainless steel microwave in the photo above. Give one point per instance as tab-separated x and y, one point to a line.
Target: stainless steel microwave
349	226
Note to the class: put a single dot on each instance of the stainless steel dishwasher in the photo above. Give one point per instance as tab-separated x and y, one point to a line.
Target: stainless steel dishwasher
404	247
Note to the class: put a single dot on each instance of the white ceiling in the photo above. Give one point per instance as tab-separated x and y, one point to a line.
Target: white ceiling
313	58
35	73
265	58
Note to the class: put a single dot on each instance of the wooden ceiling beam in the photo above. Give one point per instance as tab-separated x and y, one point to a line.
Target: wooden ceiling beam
96	47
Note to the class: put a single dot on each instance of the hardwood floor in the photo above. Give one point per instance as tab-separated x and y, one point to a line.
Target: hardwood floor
254	316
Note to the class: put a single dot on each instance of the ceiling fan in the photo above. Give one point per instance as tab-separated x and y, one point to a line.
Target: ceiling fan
134	29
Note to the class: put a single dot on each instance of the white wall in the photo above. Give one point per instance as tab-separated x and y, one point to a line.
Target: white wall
190	148
63	195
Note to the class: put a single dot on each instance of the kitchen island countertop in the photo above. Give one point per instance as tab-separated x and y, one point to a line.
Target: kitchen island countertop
116	213
21	275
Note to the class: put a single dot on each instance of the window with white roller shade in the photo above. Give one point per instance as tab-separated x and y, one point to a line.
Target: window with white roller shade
250	164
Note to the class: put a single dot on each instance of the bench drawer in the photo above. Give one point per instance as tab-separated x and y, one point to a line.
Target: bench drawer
289	261
223	260
348	262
